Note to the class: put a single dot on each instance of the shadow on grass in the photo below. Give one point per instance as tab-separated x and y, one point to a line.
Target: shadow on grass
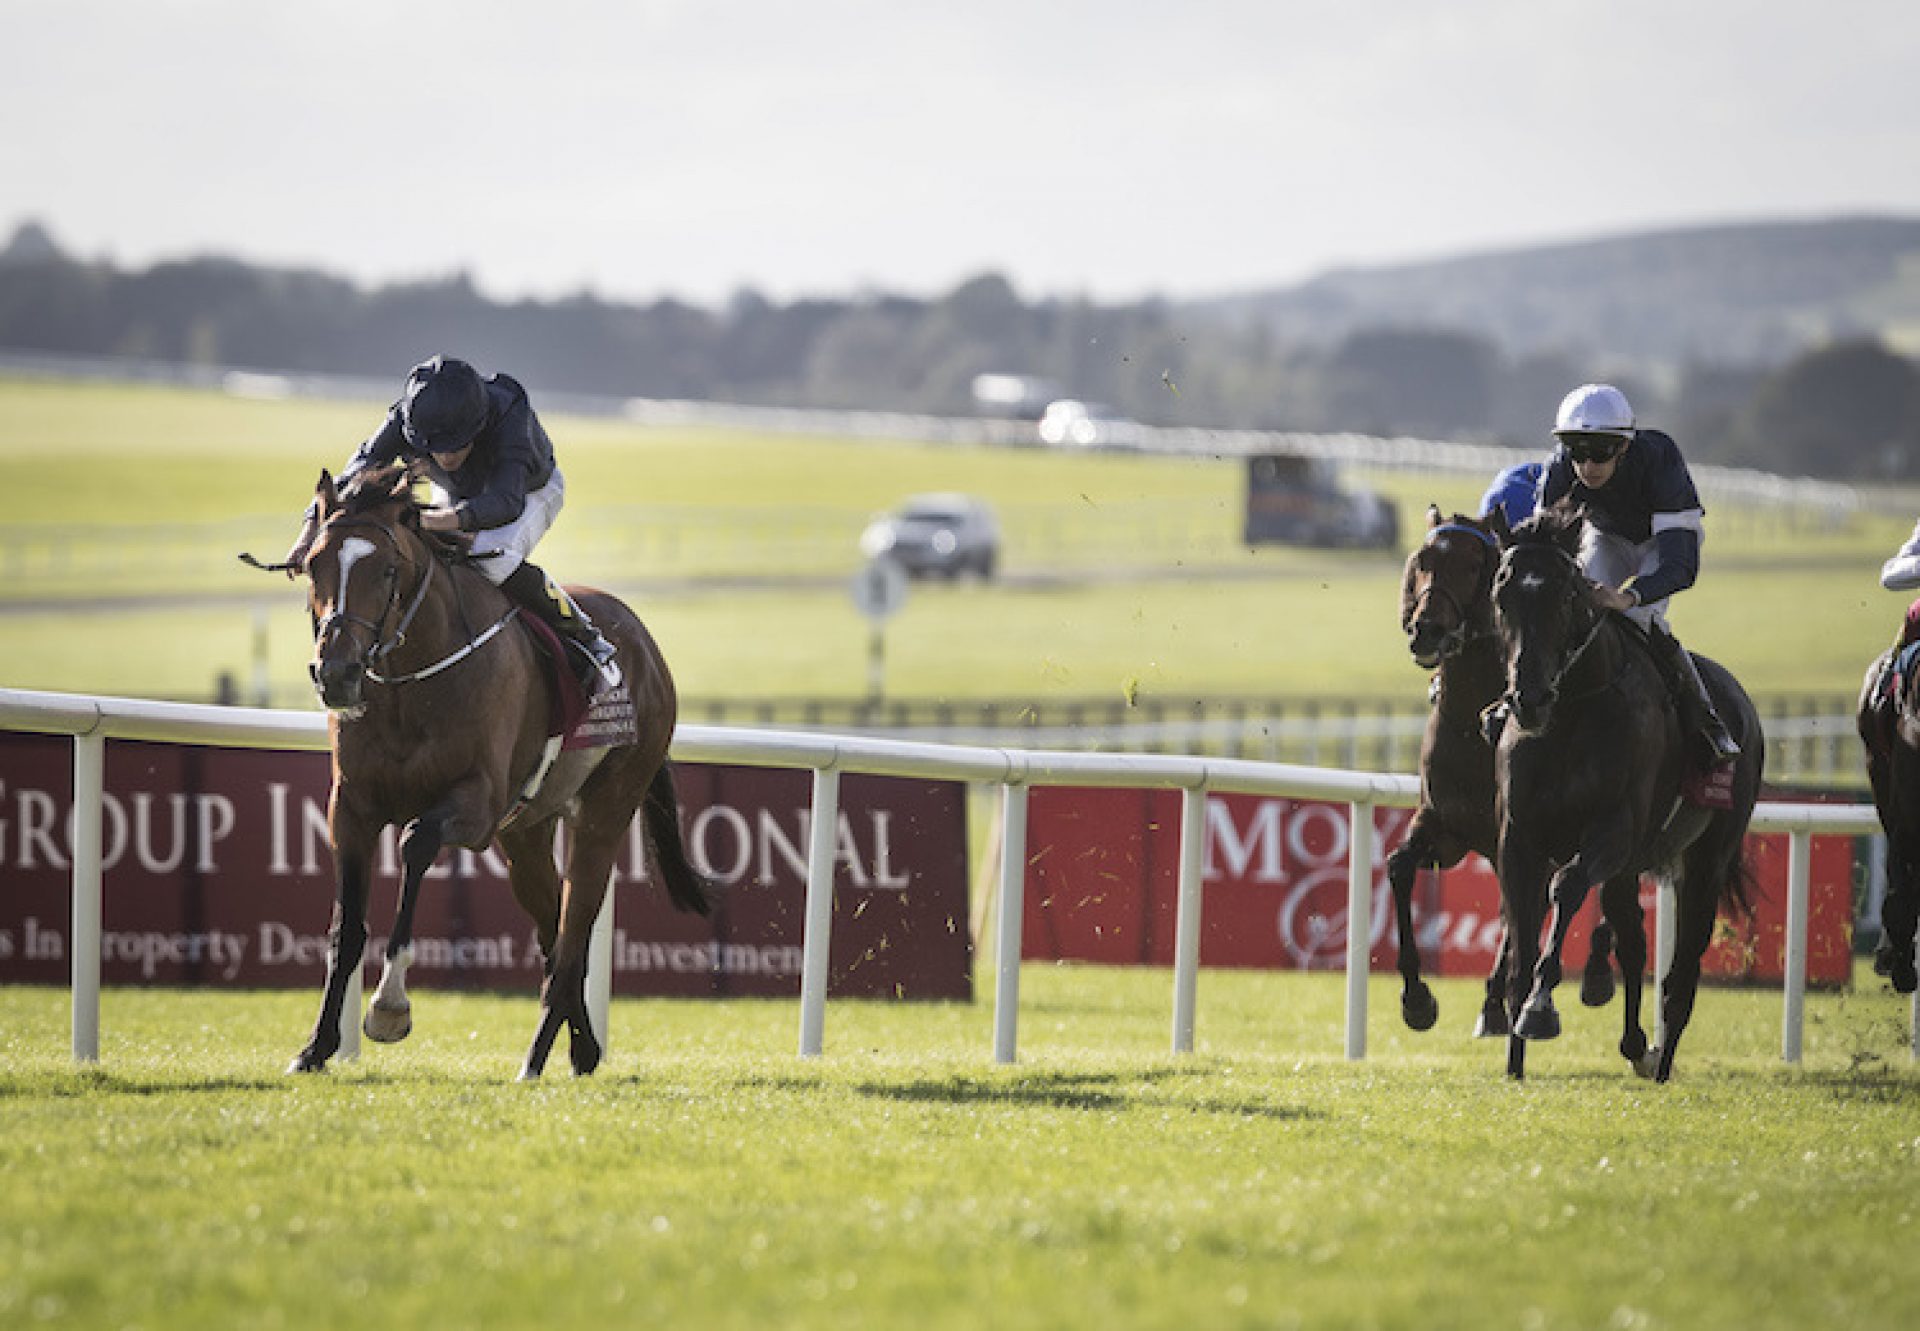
1099	1091
95	1082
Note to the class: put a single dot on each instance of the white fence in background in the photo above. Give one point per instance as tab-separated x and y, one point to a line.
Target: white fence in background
92	721
1718	485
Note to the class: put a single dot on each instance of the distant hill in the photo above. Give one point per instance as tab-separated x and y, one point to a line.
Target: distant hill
1754	294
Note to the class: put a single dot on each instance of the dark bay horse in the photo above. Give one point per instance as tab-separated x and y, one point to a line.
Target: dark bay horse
438	711
1590	772
1890	729
1446	611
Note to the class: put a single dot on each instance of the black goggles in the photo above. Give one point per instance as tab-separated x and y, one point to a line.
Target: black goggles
1592	447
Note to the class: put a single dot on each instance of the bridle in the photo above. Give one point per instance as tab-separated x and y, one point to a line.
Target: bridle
1597	619
1465	630
381	648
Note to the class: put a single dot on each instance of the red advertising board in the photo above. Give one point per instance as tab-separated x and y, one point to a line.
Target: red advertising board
218	872
1103	868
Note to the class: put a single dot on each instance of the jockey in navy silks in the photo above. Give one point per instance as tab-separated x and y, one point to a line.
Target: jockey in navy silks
492	470
1644	531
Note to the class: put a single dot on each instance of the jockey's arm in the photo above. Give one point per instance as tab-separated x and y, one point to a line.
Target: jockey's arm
1676	537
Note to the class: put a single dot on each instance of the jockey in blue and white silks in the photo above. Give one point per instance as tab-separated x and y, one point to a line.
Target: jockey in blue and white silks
1645	525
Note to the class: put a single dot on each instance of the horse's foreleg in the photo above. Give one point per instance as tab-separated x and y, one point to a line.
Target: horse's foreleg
1620	899
1603	853
390	1015
1899	913
1523	875
1418	1008
353	858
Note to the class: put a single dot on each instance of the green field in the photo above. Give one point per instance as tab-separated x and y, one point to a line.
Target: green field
1127	576
708	1177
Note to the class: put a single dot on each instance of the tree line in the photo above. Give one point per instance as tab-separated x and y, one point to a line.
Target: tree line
1846	409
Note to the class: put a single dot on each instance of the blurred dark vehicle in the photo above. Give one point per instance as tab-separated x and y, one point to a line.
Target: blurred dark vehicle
1293	500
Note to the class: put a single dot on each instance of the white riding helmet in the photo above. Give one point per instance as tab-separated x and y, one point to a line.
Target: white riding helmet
1595	409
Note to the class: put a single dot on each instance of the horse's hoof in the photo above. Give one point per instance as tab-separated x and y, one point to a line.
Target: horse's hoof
1883	961
1538	1023
1596	988
1492	1023
302	1063
1419	1008
528	1073
586	1060
1904	978
387	1025
1648	1065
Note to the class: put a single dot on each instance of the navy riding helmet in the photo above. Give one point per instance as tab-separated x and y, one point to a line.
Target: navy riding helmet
445	405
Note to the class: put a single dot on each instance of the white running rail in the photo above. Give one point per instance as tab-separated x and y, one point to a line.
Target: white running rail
92	721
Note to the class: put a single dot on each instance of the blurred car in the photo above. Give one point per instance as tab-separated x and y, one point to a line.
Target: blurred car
936	535
1086	424
1294	500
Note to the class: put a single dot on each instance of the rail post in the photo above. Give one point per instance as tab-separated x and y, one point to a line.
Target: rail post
1359	923
817	946
1010	921
89	799
1186	928
1799	892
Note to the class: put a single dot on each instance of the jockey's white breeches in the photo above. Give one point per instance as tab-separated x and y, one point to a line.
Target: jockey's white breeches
511	545
1613	559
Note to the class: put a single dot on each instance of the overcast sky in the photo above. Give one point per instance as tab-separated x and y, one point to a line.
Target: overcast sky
1110	148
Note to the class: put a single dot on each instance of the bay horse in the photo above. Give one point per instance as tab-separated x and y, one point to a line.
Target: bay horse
1591	771
1889	724
1446	611
438	712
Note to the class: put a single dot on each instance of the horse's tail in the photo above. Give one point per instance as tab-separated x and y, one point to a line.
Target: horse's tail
1740	886
686	888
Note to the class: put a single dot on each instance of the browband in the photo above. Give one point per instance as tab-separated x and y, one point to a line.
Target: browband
1484	538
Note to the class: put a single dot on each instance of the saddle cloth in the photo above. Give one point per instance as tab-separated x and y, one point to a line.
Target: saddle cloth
608	720
1711	788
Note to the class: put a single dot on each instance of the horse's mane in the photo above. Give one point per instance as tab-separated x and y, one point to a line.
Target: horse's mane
1557	526
374	492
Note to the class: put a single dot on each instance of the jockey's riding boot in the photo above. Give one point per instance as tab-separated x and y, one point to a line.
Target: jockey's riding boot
1698	715
598	664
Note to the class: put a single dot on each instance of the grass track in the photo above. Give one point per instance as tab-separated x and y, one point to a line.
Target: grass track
710	1178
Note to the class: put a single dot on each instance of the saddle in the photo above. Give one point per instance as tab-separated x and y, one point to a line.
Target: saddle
607	720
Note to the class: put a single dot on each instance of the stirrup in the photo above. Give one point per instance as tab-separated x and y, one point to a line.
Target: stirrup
1722	747
603	665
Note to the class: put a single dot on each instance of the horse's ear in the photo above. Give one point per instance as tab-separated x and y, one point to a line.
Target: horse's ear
1497	523
327	494
1434	518
402	486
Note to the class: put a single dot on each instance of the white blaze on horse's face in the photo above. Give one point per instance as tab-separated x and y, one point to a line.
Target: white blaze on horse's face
352	551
